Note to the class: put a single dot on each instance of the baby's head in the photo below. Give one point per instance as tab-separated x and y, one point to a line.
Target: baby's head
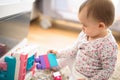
96	13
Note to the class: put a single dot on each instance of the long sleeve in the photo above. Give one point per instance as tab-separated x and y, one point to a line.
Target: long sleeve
68	52
108	60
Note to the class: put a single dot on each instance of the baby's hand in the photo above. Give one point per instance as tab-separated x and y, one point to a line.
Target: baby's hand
52	51
54	69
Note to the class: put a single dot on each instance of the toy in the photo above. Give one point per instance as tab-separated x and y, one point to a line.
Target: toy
9	73
57	76
30	62
24	61
46	61
20	63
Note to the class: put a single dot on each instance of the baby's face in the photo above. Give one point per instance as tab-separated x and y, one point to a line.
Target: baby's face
89	25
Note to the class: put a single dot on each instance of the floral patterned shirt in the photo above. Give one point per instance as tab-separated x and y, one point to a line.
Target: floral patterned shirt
94	59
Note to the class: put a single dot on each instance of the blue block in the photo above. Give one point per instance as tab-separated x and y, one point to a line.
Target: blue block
30	62
52	60
10	73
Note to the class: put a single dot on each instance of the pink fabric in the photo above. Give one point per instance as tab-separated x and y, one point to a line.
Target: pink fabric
3	66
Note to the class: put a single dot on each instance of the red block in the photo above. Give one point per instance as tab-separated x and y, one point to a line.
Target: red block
46	61
57	76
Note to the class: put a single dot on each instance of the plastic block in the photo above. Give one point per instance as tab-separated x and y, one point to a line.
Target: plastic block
57	76
9	74
46	61
52	60
39	66
47	64
42	62
37	60
17	57
30	63
23	63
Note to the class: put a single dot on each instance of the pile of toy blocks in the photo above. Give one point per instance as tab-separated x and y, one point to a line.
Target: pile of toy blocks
19	63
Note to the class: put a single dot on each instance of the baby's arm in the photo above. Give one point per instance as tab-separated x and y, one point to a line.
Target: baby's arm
65	53
108	60
70	51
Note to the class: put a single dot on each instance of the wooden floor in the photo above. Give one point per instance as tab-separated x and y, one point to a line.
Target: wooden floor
54	37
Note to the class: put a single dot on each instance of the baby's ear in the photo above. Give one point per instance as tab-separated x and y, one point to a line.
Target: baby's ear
102	25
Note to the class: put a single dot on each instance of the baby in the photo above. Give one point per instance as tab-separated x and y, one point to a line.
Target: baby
95	50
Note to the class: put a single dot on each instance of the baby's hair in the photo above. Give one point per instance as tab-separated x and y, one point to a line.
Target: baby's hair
100	10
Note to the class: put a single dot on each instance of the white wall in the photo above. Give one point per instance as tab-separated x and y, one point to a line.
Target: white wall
117	8
68	9
10	7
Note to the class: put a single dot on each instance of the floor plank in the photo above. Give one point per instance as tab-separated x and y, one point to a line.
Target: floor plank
54	38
